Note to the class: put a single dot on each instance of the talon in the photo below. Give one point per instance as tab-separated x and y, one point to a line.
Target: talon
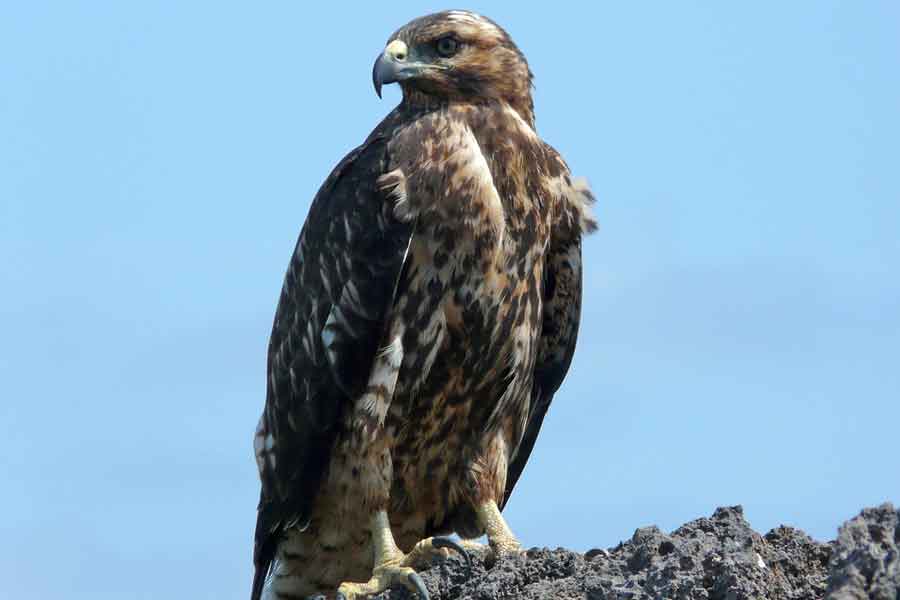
417	582
392	566
452	545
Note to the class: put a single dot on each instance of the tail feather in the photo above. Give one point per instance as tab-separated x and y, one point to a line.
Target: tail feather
260	575
263	554
259	581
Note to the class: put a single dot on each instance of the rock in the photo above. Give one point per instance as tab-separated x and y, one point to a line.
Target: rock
717	558
866	559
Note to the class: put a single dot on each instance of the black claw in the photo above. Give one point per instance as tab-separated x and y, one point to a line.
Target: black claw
419	585
452	545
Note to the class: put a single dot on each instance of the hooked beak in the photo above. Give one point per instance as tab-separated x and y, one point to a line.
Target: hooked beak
394	65
390	65
383	72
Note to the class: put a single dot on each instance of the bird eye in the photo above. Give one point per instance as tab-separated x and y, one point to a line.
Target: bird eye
447	46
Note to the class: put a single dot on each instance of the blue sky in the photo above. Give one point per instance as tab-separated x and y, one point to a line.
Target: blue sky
742	297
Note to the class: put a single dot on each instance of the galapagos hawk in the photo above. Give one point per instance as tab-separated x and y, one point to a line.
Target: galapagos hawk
428	315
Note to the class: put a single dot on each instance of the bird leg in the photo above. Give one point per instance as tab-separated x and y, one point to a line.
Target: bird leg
392	566
500	536
501	540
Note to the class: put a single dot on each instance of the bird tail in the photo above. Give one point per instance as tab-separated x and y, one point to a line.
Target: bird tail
263	555
259	581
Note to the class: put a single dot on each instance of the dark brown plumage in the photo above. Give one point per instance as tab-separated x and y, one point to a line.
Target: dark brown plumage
428	316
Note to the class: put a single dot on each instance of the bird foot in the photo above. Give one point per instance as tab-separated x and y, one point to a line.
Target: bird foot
384	577
489	554
400	569
501	540
426	550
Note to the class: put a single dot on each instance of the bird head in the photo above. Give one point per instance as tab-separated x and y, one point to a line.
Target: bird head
455	56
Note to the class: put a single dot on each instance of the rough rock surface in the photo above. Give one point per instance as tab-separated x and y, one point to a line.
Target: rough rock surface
719	557
866	557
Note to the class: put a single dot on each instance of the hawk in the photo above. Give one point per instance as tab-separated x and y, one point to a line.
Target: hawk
428	315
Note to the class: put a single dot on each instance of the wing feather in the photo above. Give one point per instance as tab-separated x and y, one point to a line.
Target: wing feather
330	319
559	333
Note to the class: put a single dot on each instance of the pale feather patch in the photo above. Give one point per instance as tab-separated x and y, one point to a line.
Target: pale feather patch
393	186
383	376
583	200
393	352
475	167
464	16
576	193
328	334
348	230
523	125
474	24
259	443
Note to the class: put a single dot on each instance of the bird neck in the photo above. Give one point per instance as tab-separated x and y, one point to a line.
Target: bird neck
417	100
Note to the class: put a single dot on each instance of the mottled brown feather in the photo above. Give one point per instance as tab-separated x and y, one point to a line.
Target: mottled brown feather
428	316
350	242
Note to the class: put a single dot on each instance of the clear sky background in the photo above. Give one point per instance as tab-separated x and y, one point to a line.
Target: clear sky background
741	332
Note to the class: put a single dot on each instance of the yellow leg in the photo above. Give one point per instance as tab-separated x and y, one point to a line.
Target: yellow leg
501	540
392	566
500	536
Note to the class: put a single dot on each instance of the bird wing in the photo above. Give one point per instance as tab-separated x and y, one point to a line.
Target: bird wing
339	285
561	311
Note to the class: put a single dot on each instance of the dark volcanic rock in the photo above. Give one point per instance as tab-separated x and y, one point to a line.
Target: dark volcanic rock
866	561
718	558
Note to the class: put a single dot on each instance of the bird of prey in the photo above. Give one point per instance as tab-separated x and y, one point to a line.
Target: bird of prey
428	315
